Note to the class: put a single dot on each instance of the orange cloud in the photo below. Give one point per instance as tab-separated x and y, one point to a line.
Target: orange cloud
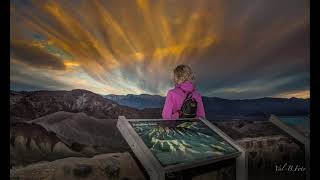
133	45
297	94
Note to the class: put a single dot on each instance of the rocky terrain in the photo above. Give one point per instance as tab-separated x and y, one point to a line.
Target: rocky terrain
73	134
105	166
32	143
26	106
260	138
99	134
267	147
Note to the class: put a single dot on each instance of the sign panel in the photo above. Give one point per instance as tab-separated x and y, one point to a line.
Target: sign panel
168	146
184	141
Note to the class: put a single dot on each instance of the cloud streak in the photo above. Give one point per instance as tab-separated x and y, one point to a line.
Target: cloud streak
127	46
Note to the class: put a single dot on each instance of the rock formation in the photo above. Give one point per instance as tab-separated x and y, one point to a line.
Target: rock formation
104	166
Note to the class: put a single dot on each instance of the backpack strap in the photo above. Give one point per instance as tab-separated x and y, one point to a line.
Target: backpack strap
187	96
187	92
182	90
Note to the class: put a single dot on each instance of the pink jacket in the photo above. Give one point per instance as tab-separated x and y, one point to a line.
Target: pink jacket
175	99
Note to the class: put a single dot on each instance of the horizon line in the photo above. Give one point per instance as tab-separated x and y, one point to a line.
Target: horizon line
161	95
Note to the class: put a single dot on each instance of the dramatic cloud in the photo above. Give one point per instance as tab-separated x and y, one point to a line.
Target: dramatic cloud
35	56
238	49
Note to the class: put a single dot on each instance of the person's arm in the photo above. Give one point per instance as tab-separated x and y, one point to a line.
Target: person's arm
200	109
167	109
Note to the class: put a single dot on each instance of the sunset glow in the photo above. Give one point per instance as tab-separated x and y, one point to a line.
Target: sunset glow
131	47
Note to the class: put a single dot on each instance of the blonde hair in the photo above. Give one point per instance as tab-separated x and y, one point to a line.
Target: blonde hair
183	73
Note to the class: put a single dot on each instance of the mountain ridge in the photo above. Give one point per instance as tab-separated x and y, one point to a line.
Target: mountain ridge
28	105
219	106
25	106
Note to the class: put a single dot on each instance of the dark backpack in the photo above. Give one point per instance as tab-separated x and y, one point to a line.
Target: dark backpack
189	106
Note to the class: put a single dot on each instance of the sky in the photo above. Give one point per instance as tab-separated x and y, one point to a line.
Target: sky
237	49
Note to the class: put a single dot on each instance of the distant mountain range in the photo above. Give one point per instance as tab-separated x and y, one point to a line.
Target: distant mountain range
141	101
26	106
215	106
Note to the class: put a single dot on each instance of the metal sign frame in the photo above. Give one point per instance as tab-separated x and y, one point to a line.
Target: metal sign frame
153	167
297	135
